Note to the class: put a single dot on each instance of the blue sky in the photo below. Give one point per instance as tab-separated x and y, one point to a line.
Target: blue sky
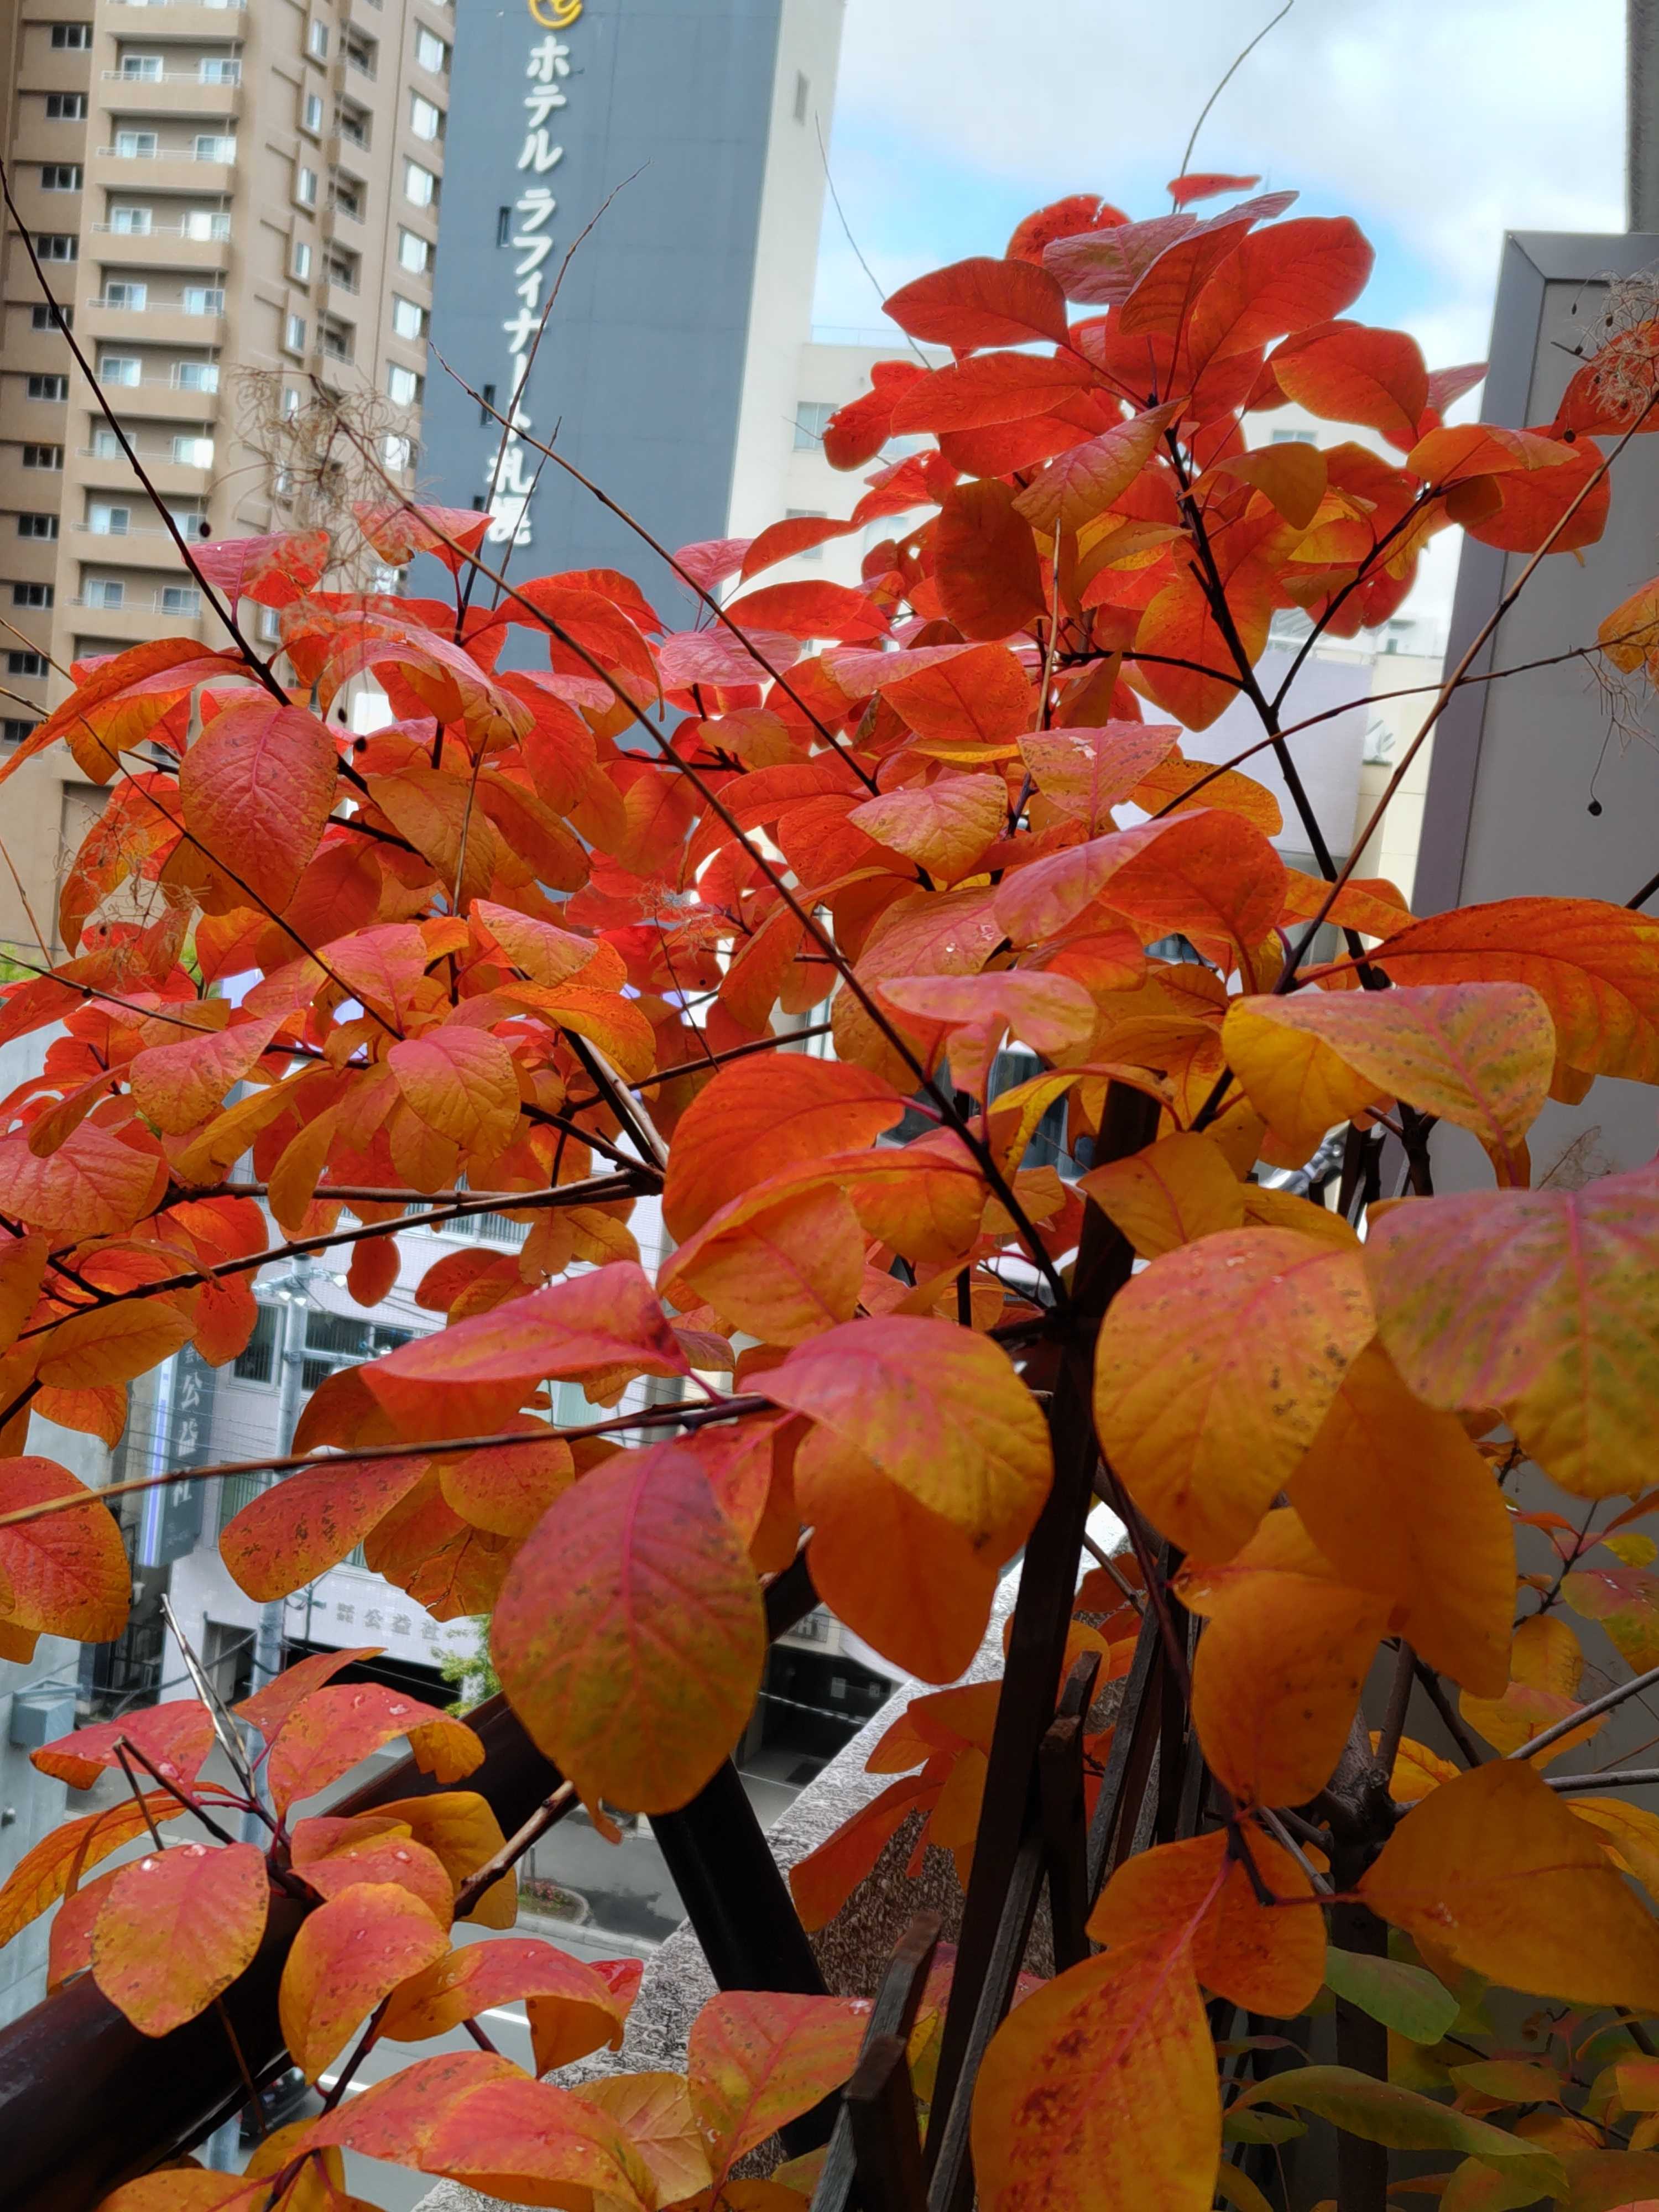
1437	123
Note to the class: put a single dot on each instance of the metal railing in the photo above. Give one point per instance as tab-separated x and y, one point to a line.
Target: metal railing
163	230
173	76
225	160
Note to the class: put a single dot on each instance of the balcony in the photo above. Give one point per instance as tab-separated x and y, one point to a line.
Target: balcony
175	92
112	472
140	616
164	246
159	399
180	19
145	545
169	169
166	323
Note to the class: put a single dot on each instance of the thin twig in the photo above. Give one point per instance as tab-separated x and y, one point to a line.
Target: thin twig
1238	63
644	1417
551	1810
1400	1699
1605	1703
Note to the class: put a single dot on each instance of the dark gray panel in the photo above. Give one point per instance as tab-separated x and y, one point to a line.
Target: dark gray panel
641	367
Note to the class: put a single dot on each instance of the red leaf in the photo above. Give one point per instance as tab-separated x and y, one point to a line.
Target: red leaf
257	787
267	1709
982	302
175	1738
306	1522
274	571
756	2060
1350	372
628	1635
468	1379
1206	185
177	1928
809	611
66	1575
331	1730
760	1116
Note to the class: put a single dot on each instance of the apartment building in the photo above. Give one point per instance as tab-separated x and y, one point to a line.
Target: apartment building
211	188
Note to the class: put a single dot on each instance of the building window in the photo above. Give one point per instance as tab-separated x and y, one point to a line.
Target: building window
271	625
193	452
425	120
335	339
142	69
212	72
812	419
76	37
47	315
130	222
431	53
293	336
414	253
15	729
48	387
107	521
66	107
403	387
803	94
105	446
126	294
26	664
55	245
136	145
31	595
408	319
105	592
396	452
359	53
258	1362
180	599
1294	438
290	403
317	42
312	119
302	262
353	123
196	376
205	223
346	199
305	187
420	186
43	457
37	525
60	177
486	405
203	299
503	225
119	368
212	146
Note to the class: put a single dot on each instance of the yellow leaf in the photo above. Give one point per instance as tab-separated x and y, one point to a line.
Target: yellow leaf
1494	1871
1175	1191
1214	1370
1280	1665
1398	1500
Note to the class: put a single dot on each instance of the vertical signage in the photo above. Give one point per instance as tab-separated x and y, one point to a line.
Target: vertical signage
510	474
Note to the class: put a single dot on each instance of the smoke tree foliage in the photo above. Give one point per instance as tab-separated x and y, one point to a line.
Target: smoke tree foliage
539	936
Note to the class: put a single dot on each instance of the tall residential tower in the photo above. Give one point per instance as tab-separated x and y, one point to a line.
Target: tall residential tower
211	188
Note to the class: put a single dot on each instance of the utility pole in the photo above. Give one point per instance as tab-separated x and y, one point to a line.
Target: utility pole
1641	115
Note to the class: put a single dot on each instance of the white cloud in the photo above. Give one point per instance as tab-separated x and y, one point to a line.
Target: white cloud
1441	123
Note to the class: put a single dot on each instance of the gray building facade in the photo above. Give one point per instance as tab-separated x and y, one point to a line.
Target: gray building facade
689	133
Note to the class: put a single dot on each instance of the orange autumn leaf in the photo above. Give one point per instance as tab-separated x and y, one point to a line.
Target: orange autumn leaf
349	1953
628	1635
329	1730
1277	1677
1269	1959
756	2060
1099	2091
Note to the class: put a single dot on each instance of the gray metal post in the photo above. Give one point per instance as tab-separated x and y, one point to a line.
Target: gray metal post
1641	115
